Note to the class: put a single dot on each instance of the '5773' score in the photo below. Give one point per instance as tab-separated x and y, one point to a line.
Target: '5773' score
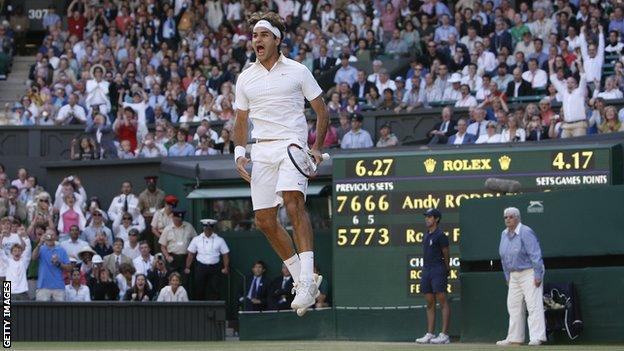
370	236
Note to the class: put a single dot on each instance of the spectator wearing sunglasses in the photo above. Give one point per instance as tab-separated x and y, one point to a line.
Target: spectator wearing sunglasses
97	226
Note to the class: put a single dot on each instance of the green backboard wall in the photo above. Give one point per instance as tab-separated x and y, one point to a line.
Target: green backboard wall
587	222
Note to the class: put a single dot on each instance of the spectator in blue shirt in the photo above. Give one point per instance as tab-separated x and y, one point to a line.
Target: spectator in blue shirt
182	148
442	32
52	261
51	18
617	21
521	257
346	73
357	137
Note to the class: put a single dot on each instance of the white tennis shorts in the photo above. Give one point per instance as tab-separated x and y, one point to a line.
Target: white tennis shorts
272	173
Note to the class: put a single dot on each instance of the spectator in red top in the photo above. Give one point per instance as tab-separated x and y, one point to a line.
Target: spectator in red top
76	22
125	127
331	138
123	20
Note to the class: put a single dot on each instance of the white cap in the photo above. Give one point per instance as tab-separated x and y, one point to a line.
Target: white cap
208	222
97	259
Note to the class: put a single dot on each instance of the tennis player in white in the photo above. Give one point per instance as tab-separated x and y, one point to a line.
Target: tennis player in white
271	93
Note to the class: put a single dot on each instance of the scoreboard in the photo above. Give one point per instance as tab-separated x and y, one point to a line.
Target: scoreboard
379	198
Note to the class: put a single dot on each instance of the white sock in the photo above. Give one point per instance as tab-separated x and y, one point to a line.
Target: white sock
307	264
294	267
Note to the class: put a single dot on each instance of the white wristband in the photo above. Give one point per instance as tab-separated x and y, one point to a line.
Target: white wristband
239	151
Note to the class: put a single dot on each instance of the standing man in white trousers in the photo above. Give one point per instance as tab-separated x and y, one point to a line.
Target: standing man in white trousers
521	258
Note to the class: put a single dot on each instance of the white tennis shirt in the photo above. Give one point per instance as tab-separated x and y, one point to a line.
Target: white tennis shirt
275	98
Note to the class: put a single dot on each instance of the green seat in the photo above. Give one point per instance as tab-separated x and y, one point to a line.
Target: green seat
530	98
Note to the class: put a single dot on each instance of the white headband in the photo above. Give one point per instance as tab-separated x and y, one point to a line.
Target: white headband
266	24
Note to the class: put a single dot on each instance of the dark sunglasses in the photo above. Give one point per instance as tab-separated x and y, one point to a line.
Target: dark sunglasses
127	218
97	214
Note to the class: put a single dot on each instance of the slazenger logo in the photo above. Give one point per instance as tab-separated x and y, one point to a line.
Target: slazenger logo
535	207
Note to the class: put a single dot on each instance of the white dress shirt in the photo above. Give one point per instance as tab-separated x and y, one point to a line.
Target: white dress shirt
97	93
593	65
72	247
81	295
383	86
506	137
142	265
208	249
167	295
537	79
120	231
467	101
15	270
477	128
66	111
613	94
486	139
116	207
131	252
573	103
474	83
450	94
459	139
487	61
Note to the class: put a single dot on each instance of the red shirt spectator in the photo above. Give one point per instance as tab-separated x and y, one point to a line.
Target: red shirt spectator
123	20
126	127
76	24
331	138
128	132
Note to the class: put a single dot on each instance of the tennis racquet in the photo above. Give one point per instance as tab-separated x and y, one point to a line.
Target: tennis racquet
303	160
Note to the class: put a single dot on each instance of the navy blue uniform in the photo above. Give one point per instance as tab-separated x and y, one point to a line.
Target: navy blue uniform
434	274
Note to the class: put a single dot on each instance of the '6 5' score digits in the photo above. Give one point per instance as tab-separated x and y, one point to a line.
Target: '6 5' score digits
379	167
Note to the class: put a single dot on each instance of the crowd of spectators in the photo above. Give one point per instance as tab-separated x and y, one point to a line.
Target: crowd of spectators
150	79
65	246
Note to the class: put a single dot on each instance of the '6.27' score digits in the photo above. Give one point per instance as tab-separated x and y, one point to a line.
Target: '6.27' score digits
371	167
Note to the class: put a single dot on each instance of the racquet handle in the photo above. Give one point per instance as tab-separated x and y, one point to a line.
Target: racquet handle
325	156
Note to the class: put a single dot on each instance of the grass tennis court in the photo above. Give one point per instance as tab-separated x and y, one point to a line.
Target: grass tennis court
291	346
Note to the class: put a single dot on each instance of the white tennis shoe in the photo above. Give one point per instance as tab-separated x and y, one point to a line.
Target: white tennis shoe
306	292
441	339
425	339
